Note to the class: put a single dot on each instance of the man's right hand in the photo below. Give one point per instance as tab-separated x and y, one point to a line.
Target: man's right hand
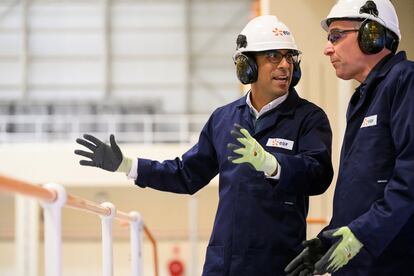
304	263
107	157
251	152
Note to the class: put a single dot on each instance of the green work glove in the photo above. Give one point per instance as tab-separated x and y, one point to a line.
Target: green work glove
107	157
304	263
340	253
251	152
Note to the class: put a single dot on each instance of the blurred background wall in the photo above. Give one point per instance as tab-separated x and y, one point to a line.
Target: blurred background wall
151	72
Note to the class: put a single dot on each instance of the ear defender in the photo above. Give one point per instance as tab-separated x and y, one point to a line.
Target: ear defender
296	75
246	68
371	37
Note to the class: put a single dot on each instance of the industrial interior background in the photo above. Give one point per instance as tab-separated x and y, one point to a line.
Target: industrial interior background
150	71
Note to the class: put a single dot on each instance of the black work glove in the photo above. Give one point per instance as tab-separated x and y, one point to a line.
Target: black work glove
304	263
102	156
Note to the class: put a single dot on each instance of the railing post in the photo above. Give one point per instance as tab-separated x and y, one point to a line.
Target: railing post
52	198
26	235
52	213
135	228
107	254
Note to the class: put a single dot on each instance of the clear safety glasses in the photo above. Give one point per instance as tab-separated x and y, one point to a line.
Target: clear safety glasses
335	35
275	56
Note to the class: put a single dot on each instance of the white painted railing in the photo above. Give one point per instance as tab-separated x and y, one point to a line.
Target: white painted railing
53	198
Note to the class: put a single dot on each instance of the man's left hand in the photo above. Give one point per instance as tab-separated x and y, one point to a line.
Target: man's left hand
340	253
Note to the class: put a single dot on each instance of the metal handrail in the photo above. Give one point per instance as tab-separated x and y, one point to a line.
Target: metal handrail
8	184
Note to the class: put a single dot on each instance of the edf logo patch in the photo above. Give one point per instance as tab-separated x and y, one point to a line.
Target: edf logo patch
369	121
280	32
280	143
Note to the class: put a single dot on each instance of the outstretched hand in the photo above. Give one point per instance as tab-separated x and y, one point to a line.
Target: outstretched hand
101	155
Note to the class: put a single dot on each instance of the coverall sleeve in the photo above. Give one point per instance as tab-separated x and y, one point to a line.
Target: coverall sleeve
387	216
184	175
310	171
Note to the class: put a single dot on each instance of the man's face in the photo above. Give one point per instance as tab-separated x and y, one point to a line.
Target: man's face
274	77
344	52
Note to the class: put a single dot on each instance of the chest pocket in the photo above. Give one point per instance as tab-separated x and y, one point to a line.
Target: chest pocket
374	152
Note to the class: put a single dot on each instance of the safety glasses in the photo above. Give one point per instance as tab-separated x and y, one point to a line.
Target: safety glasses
275	56
335	35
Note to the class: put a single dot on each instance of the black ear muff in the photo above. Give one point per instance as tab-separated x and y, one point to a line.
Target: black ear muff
391	41
246	68
296	75
371	37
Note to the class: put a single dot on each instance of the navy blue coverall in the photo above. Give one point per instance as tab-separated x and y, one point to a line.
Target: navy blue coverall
374	193
260	222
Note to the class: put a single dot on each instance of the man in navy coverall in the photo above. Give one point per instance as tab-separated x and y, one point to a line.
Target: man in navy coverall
271	149
372	229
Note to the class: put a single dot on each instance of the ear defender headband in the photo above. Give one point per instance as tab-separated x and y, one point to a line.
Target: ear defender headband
246	66
373	36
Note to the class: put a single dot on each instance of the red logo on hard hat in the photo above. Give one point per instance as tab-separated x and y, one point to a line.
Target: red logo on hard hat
278	32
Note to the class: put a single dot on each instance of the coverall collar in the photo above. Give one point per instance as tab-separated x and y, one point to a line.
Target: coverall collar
271	117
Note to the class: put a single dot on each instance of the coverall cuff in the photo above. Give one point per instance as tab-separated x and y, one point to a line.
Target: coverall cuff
285	180
277	175
144	169
363	237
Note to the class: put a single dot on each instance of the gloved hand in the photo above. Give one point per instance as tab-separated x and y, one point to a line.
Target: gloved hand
251	152
304	263
103	156
339	253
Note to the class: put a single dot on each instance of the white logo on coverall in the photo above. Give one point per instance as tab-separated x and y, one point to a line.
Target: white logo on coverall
280	143
369	121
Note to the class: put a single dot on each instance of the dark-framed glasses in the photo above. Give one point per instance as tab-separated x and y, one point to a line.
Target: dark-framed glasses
335	35
275	56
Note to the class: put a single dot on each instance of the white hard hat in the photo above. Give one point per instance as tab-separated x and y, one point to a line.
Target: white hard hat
381	11
263	33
